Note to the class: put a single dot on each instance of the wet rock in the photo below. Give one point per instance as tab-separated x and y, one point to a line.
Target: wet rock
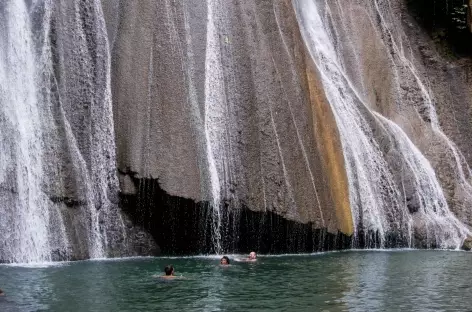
261	147
69	202
467	245
413	204
59	254
126	183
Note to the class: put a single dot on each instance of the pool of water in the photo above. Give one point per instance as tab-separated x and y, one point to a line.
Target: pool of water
338	281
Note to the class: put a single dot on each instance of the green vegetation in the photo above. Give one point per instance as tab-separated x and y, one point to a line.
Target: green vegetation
446	20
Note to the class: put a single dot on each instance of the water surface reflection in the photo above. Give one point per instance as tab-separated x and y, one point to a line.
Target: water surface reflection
341	281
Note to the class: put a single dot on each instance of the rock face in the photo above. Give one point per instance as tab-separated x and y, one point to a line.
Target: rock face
220	102
58	185
467	245
291	125
403	109
184	227
246	105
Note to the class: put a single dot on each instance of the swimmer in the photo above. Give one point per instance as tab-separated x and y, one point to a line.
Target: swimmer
224	261
169	272
251	258
2	293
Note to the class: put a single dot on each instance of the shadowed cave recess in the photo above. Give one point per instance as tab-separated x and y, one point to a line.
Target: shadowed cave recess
184	227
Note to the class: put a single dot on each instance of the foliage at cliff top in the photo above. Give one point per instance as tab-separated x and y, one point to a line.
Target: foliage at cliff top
446	20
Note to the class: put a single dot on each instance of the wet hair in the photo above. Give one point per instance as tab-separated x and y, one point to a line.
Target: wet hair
226	258
169	269
1	292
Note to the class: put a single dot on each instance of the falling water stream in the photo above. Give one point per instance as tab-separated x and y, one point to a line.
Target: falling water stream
57	177
215	103
380	211
24	221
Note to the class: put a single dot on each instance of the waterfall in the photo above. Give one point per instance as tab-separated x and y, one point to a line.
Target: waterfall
219	105
24	221
386	171
215	125
58	185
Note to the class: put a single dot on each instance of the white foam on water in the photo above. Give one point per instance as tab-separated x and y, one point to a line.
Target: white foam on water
37	265
116	259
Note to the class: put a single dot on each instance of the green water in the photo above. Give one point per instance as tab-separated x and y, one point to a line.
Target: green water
342	281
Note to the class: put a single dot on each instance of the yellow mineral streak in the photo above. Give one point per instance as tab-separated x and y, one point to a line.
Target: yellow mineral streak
329	147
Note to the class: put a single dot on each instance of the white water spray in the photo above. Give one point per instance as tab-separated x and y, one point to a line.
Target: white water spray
377	201
56	170
24	218
215	102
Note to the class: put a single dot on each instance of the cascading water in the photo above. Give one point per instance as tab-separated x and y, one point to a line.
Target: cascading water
375	148
215	104
58	185
249	115
24	221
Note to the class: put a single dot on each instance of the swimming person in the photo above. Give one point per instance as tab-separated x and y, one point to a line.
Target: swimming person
251	258
169	273
2	293
224	261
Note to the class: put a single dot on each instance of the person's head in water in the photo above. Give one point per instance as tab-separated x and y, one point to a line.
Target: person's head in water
1	292
169	270
252	255
224	260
